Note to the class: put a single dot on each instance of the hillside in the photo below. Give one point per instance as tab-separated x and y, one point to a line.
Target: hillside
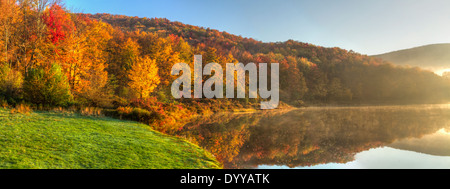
61	59
309	74
434	57
51	140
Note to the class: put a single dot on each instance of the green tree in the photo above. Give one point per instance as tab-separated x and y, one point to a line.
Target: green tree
10	84
47	86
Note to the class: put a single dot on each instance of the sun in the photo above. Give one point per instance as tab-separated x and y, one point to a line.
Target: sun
444	131
441	72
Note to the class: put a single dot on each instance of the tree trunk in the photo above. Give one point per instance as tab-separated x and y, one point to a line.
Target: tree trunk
6	45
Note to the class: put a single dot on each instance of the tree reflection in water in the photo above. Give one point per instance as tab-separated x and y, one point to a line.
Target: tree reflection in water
310	136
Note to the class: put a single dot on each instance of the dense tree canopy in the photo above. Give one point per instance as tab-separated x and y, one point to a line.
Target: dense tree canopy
309	73
103	56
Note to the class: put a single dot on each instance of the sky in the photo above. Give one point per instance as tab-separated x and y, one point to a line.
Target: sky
383	158
368	27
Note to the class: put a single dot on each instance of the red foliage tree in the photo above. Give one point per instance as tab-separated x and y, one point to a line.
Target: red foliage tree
58	23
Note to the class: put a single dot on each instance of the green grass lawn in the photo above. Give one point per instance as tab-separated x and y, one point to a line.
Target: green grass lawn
48	140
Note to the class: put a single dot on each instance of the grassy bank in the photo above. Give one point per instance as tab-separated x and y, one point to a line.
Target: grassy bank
48	140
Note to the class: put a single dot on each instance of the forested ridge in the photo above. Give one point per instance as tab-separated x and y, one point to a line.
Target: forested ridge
51	57
433	56
310	73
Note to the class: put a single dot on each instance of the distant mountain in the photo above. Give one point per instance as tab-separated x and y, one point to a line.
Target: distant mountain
433	57
430	144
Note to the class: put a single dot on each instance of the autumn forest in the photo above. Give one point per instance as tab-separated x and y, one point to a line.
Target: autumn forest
52	57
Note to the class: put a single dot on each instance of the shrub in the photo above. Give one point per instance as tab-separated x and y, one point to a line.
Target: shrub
142	115
124	110
48	87
10	84
135	114
111	113
151	104
120	102
3	103
96	96
91	111
21	109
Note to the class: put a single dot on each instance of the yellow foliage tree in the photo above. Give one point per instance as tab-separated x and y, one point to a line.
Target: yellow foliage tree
161	50
144	77
8	18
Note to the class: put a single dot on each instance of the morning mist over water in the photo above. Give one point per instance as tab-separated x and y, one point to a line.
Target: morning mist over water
328	137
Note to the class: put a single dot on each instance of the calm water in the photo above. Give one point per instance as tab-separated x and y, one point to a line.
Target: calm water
341	137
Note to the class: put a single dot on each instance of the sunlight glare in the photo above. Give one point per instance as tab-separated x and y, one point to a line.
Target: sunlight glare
441	72
443	131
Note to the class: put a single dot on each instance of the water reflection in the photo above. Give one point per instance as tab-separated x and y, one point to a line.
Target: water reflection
323	136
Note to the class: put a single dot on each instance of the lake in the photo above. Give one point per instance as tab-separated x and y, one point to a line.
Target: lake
371	137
